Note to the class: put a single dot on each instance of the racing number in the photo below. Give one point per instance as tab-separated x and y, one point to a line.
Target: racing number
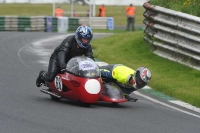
58	83
86	65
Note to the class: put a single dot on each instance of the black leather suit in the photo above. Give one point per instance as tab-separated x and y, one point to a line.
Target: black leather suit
62	54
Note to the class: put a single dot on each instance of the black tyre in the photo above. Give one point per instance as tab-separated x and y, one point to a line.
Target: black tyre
84	104
115	103
55	98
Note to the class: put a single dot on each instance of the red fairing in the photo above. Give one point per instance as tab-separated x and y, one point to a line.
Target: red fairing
112	100
77	88
112	93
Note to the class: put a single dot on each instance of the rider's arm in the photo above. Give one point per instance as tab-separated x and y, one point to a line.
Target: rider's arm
89	53
106	73
62	55
61	59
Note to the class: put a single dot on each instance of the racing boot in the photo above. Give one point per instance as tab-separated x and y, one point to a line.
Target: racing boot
131	99
39	80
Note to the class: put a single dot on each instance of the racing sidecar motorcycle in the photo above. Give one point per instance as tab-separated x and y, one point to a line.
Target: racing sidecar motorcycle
81	82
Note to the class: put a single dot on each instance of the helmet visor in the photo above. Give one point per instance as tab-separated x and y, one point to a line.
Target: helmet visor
85	41
140	83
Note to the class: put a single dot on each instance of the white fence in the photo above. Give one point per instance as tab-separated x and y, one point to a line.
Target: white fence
173	35
94	22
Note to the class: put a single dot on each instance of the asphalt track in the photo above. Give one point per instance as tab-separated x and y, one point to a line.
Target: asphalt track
24	109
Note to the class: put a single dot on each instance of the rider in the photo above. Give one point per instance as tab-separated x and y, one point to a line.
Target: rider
73	45
127	78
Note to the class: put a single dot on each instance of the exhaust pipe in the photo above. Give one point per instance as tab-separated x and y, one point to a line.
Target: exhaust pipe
50	93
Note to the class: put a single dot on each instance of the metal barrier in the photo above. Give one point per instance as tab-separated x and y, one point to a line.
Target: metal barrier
73	24
173	35
17	23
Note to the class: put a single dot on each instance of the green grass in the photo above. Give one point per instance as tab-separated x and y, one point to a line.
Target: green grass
186	6
169	77
117	12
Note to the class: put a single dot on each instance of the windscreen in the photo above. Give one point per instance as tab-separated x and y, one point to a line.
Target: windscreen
112	90
83	66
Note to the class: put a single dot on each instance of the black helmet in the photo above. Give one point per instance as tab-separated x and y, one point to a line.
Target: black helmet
142	77
83	32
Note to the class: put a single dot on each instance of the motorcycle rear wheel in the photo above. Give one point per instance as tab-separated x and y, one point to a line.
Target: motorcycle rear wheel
84	104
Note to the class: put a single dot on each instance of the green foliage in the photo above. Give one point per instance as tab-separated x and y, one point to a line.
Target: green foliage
168	77
186	6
